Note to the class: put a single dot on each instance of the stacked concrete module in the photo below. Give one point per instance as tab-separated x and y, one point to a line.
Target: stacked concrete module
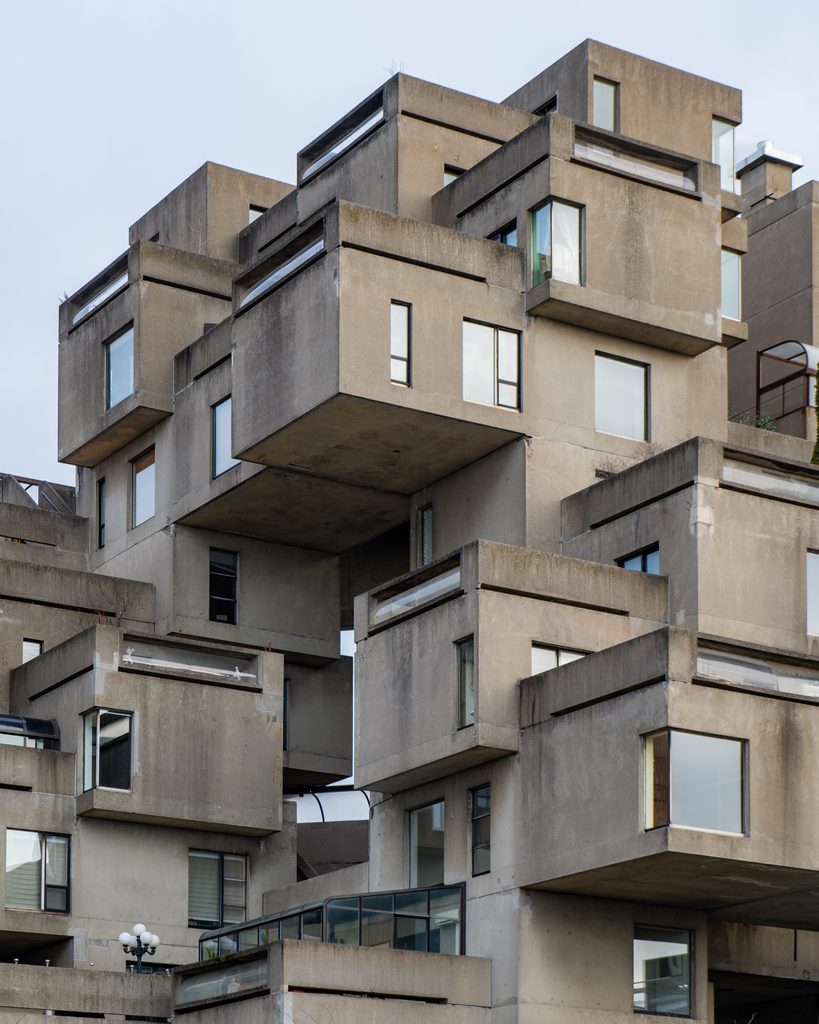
481	389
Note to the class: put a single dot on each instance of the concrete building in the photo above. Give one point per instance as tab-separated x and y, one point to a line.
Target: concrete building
482	389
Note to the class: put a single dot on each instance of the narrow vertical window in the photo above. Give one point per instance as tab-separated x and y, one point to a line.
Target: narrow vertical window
221	438
606	105
31	649
812	572
556	244
731	284
400	341
722	152
143	488
466	682
101	513
285	714
662	971
481	806
621	397
426	845
425	535
119	367
224	573
106	749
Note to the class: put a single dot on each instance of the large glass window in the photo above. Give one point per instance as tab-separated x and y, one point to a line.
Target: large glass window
217	889
731	301
224	577
36	871
426	845
606	105
545	658
620	397
694	781
647	561
490	365
722	152
466	681
556	249
812	569
119	367
221	438
400	343
481	807
143	488
107	749
662	970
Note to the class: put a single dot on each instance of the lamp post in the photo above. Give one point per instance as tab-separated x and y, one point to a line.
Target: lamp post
139	942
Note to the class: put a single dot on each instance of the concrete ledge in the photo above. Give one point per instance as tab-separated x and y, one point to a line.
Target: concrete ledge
74	991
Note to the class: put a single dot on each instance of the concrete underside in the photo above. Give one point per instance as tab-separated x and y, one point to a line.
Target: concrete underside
363	442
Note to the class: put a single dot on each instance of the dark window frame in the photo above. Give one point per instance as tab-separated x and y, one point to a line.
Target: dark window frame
109	341
646	368
101	513
473	817
407	360
134	476
200	923
43	838
214	475
691	962
232	603
642	554
461	682
502	233
498	380
95	754
608	81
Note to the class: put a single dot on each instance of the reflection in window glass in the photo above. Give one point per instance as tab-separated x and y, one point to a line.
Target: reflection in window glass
399	343
221	438
620	397
426	847
813	592
605	104
144	488
722	152
466	682
647	561
451	174
36	871
507	235
546	658
490	365
119	368
481	807
662	971
107	750
32	649
556	242
731	301
693	781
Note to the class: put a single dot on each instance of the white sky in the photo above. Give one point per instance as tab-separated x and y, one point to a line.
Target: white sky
107	105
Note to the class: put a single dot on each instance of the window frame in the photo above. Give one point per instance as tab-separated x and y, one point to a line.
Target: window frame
465	716
733	252
497	381
31	640
808	555
101	495
112	340
43	838
551	201
411	811
642	554
473	817
559	652
235	577
220	855
215	472
715	155
135	471
690	985
646	368
406	360
503	233
91	759
615	86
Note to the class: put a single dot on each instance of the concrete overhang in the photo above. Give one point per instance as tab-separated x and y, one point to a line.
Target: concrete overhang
581	306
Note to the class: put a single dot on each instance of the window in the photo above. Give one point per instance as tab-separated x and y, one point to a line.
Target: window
451	174
31	649
490	365
119	367
217	889
425	535
606	105
106	749
284	267
621	397
643	561
731	301
547	107
694	781
224	572
722	152
466	681
36	871
556	249
254	212
507	235
662	970
480	829
813	592
101	513
34	733
222	459
546	658
426	845
400	343
143	470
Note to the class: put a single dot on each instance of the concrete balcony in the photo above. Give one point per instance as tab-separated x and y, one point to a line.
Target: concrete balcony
311	372
155	301
420	713
585	754
660	207
75	993
209	719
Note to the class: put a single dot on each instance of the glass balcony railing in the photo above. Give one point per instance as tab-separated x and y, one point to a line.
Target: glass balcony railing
182	663
771	481
767	674
425	920
637	166
107	291
416	596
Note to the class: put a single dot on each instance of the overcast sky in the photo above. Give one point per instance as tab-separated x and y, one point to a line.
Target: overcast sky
108	104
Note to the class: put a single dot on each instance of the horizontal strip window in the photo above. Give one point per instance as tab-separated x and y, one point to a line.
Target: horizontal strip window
626	162
416	597
109	287
765	673
327	149
283	270
774	482
182	663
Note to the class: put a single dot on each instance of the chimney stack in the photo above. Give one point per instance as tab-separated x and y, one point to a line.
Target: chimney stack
766	175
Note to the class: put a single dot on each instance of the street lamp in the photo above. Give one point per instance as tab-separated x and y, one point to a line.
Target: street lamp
139	942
